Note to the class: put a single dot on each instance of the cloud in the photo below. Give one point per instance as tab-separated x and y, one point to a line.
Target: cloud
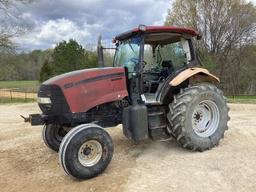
61	29
84	20
49	33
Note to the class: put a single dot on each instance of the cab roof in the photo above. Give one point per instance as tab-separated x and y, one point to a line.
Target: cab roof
157	29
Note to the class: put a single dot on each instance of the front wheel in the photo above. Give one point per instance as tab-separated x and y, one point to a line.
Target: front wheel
86	151
53	135
198	117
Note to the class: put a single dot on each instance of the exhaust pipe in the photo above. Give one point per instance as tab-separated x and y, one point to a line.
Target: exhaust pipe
100	53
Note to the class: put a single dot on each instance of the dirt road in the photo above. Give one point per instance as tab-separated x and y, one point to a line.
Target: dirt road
26	164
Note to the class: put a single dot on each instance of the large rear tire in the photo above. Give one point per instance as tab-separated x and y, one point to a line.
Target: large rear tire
198	117
86	151
52	135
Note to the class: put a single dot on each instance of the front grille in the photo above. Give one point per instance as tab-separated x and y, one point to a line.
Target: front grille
59	104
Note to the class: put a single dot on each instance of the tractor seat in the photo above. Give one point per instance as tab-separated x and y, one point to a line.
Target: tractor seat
167	68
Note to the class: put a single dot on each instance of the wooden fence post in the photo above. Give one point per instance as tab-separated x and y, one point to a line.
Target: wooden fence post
11	94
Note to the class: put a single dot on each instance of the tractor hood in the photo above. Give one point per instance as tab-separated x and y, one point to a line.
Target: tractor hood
85	89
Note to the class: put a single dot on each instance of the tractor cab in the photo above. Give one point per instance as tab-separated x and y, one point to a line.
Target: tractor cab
150	55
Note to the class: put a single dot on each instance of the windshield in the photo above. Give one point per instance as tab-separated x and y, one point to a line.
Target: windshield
127	54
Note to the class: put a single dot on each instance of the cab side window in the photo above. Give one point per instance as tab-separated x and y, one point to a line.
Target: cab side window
175	53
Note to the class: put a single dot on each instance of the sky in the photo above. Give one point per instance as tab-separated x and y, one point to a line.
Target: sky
52	21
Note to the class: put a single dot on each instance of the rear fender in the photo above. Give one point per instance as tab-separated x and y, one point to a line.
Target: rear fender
183	79
195	75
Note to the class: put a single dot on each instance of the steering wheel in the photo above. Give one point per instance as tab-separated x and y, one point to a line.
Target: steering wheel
136	60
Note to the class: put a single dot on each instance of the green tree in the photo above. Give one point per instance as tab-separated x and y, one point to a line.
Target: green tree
66	57
46	72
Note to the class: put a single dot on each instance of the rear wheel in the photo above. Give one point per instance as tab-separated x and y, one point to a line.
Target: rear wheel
53	135
86	151
198	117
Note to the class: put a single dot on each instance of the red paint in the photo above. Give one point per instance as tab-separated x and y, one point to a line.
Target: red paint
156	29
84	96
174	29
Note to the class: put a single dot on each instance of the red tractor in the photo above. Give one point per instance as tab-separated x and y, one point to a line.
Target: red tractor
154	89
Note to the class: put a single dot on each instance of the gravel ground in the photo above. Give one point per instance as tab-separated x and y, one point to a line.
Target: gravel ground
26	164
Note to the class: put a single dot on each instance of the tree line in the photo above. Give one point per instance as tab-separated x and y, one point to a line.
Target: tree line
22	66
42	65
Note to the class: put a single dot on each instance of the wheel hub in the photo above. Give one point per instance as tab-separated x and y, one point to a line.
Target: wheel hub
205	118
90	153
198	117
87	151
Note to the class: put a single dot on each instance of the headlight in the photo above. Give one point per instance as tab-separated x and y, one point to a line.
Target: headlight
44	100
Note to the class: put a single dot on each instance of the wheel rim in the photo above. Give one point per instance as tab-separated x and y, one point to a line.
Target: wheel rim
205	118
90	153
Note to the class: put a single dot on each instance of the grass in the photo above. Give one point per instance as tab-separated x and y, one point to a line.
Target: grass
30	86
242	99
22	86
15	100
17	84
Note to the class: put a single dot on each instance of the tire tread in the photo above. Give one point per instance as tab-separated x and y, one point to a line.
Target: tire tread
178	108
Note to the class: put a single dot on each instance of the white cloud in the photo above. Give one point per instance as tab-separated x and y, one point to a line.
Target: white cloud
61	29
49	33
84	20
